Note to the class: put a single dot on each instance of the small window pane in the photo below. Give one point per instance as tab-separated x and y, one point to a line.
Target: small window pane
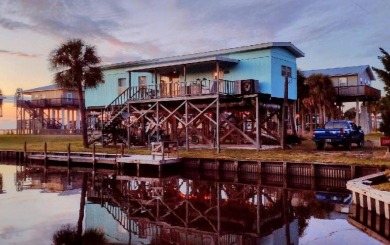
121	82
286	71
342	81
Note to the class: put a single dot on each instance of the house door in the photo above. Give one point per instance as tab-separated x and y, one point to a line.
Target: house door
142	86
169	85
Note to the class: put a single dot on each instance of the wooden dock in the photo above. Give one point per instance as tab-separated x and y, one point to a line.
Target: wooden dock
102	158
162	154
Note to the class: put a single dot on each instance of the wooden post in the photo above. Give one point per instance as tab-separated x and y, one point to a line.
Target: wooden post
25	151
45	154
258	135
68	153
217	112
93	156
284	112
186	121
353	171
259	167
284	168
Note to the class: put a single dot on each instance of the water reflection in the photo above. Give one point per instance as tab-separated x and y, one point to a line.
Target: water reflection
204	208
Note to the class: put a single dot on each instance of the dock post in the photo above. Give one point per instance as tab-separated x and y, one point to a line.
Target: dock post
313	170
68	152
284	168
353	171
259	167
45	154
118	164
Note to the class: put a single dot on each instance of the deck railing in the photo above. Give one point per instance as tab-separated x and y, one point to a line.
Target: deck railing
181	89
55	102
361	90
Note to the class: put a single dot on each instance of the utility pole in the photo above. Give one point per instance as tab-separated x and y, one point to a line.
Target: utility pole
284	113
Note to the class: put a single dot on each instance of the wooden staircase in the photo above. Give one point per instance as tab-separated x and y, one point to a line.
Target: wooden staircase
113	128
46	122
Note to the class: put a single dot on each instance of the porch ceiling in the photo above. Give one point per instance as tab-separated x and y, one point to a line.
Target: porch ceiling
178	63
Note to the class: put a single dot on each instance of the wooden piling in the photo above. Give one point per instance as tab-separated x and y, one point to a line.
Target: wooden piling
68	152
25	151
45	154
94	157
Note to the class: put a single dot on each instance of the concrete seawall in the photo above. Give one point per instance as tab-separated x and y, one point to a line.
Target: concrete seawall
365	196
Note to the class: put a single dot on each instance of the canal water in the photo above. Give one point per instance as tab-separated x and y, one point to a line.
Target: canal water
175	208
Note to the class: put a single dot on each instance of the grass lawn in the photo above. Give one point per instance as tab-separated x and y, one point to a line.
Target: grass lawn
371	154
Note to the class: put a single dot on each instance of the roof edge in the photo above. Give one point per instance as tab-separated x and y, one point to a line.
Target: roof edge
288	45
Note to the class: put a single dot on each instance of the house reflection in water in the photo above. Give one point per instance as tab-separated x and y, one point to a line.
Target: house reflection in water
187	210
199	208
49	179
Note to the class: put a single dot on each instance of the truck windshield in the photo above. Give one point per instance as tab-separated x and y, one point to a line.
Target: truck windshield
335	125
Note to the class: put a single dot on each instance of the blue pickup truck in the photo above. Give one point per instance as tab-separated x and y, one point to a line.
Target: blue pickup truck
337	133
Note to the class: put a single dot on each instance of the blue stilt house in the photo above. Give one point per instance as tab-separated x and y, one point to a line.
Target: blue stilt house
223	97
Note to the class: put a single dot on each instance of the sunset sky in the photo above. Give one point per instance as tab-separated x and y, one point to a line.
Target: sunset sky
331	33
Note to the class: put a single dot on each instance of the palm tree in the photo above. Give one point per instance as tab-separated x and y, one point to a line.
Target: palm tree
322	94
303	93
77	66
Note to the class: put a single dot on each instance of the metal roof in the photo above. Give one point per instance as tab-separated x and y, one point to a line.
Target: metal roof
43	88
342	71
204	57
180	62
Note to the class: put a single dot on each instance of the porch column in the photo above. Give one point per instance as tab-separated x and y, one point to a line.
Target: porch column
157	92
186	122
185	79
68	118
62	118
369	116
357	112
73	123
364	118
129	128
53	114
23	120
158	120
77	119
217	112
258	143
58	116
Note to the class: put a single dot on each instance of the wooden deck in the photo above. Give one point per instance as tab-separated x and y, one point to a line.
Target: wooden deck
148	159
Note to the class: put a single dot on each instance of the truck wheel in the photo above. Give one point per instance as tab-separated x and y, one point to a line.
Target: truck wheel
360	143
347	146
320	145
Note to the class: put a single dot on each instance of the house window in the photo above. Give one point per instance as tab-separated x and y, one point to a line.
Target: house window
121	85
286	71
343	81
121	82
69	97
